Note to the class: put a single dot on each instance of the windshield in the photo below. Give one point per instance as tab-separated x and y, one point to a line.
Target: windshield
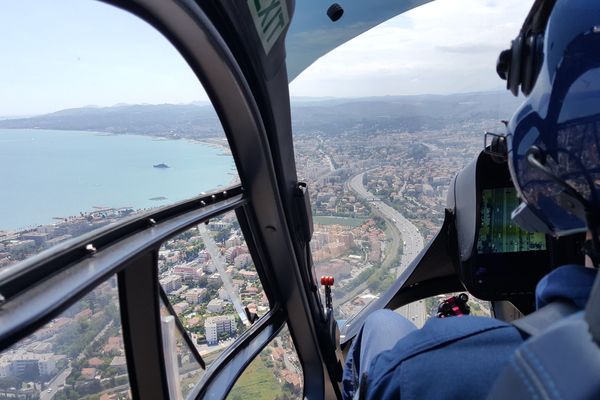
100	120
382	124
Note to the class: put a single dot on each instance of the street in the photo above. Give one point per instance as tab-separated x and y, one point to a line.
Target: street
289	365
58	381
219	262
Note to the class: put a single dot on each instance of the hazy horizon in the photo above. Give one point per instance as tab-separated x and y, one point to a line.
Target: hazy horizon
300	99
98	54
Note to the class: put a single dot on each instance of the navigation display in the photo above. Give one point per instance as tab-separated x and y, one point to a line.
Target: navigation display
497	232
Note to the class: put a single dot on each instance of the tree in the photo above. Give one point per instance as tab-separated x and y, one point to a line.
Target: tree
202	281
222	235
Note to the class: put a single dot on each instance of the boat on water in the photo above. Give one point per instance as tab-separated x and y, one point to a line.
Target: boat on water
161	165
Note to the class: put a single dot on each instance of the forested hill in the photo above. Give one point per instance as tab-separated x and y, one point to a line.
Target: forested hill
327	116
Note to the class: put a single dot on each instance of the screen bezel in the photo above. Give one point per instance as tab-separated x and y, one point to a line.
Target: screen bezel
500	276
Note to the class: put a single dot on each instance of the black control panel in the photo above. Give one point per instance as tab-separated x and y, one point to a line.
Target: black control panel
497	260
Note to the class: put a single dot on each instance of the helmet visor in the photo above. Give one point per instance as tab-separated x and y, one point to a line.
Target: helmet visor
569	141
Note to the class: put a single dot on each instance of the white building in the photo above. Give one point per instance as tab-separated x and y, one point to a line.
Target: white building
195	295
234	240
20	245
4	370
214	326
203	256
215	305
18	362
47	365
217	225
243	261
171	283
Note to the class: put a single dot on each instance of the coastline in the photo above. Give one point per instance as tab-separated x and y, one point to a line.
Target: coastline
215	143
210	141
226	177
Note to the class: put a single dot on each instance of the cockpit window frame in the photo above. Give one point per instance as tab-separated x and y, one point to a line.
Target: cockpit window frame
260	201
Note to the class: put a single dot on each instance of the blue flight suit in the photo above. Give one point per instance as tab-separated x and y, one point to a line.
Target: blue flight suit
451	358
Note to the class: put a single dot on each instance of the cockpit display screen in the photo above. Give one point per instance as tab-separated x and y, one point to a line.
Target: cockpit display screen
497	232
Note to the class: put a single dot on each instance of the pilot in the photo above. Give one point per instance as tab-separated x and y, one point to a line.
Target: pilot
554	161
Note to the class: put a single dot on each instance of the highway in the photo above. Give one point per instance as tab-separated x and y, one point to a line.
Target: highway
415	312
58	381
410	234
412	246
390	256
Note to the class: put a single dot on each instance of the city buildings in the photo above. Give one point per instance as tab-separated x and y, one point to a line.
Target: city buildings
171	283
26	364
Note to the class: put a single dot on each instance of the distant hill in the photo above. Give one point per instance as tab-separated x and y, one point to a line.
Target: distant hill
163	119
329	115
411	113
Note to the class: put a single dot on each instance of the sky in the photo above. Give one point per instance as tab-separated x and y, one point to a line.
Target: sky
69	53
442	47
73	53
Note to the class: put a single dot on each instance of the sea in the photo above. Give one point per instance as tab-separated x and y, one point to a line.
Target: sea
50	174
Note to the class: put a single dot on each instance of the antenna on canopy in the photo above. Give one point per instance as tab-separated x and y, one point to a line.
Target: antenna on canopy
494	144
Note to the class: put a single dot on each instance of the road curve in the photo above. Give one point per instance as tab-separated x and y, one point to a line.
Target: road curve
56	382
412	246
410	234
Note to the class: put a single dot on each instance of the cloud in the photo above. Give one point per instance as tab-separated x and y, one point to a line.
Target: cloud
467	48
446	46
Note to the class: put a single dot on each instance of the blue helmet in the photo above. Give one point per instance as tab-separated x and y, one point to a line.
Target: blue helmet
554	137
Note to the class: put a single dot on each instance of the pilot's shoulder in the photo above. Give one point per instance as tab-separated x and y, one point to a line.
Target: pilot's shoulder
572	283
439	332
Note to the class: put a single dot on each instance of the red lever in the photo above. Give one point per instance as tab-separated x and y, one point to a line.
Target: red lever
327	280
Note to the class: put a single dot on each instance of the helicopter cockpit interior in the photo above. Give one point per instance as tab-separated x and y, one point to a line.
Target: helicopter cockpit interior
254	279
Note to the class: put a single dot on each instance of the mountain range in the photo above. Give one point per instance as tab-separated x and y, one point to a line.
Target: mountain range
326	116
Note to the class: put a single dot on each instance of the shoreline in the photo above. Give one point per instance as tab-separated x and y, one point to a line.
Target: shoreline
211	141
230	176
129	210
111	213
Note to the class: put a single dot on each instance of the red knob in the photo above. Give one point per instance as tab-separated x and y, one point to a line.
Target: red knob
327	280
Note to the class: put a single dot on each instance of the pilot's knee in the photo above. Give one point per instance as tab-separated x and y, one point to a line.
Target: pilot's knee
388	321
381	317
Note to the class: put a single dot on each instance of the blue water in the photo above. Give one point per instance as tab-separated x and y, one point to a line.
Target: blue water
46	174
